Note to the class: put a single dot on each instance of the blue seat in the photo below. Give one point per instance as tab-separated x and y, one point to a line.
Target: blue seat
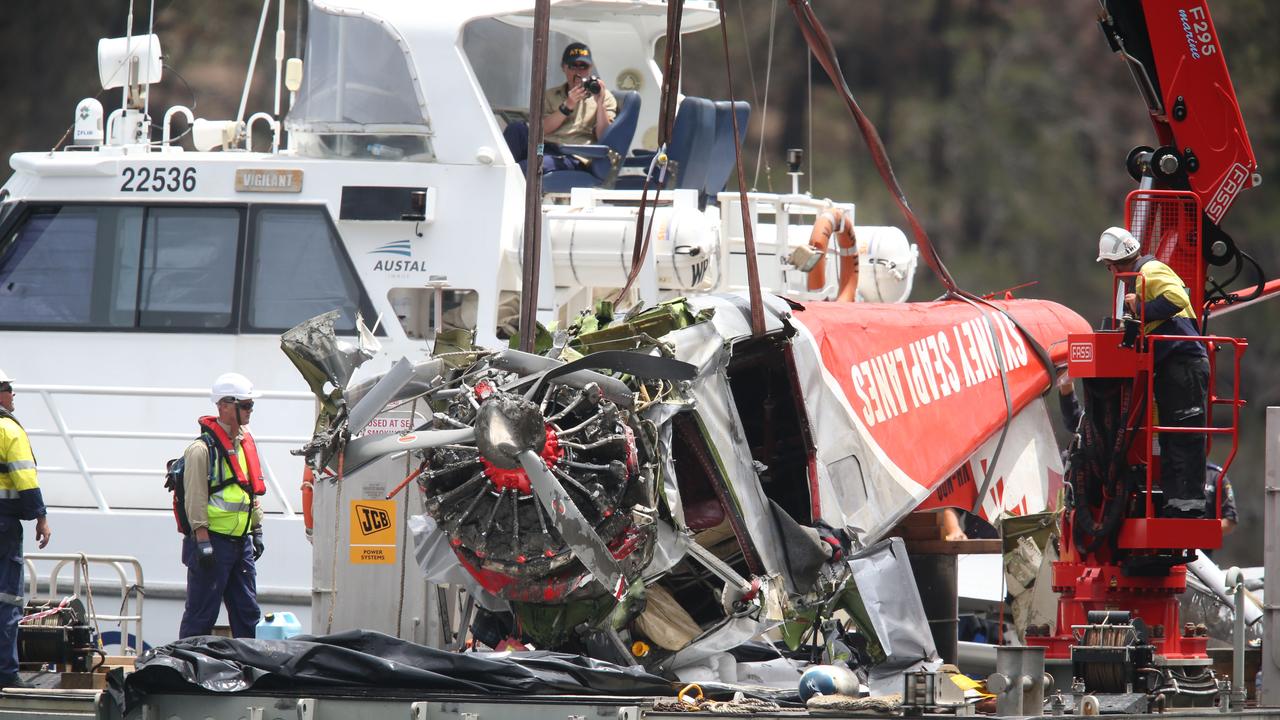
606	156
688	150
723	162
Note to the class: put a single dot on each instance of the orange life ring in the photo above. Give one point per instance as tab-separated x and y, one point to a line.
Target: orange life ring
308	492
835	222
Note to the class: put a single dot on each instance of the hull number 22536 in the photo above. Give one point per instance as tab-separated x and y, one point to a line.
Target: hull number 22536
158	179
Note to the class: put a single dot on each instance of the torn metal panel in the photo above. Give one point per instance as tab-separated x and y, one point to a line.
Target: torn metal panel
884	583
803	548
731	313
668	550
321	357
1036	603
721	638
1212	578
440	566
1207	601
667	468
704	345
858	487
718	420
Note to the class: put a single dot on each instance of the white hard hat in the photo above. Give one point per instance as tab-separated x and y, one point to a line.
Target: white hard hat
4	376
232	385
1116	244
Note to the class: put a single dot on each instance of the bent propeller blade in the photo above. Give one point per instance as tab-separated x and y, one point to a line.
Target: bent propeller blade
654	367
379	395
364	450
565	516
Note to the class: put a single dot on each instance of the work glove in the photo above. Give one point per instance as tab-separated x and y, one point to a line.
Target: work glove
204	554
258	546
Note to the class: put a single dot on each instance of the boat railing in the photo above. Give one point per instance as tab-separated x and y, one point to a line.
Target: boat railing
132	590
793	216
69	435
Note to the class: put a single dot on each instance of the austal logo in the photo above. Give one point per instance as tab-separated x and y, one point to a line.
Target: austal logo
402	248
399	248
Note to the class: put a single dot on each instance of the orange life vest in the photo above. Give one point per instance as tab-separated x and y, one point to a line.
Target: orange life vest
255	483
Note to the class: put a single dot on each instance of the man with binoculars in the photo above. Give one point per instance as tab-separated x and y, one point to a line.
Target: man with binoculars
574	113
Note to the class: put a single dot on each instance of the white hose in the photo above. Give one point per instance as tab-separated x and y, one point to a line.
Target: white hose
1208	573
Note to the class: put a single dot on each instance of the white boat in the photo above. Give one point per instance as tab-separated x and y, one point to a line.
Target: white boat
133	271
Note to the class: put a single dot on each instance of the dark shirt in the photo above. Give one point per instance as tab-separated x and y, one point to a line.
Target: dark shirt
1227	508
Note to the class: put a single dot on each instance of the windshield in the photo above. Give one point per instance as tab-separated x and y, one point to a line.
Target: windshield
358	79
499	54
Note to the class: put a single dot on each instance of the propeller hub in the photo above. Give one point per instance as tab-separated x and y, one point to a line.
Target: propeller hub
507	425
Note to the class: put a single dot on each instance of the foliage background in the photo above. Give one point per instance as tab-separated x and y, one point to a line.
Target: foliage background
1007	121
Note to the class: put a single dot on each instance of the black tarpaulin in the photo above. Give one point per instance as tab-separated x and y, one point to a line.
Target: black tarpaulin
360	658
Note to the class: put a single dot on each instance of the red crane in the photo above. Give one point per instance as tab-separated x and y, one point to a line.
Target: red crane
1122	567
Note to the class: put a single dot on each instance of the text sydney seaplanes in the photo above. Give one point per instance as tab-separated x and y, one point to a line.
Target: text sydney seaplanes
934	367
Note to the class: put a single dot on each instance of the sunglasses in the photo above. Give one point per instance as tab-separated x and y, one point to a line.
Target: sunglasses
242	404
581	66
6	387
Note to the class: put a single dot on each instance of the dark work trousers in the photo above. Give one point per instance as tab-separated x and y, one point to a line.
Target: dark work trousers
517	136
11	600
1181	392
233	579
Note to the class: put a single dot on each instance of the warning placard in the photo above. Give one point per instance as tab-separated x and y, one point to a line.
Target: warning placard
373	532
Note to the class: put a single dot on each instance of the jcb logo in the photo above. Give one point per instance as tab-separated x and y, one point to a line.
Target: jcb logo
372	519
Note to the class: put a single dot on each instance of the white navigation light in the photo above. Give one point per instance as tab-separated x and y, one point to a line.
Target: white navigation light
209	134
293	74
129	60
88	124
886	264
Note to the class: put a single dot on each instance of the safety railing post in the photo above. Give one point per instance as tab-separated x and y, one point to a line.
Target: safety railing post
89	474
76	455
130	615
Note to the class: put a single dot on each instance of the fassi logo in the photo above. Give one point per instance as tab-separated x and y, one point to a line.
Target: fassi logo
1082	352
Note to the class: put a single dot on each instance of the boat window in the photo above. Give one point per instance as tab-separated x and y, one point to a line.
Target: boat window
189	268
71	267
499	55
422	317
358	78
298	271
119	266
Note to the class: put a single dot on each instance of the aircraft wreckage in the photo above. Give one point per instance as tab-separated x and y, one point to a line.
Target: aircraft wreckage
670	479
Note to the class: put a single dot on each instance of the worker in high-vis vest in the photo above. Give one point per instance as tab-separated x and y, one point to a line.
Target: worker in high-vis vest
1180	381
20	500
225	538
